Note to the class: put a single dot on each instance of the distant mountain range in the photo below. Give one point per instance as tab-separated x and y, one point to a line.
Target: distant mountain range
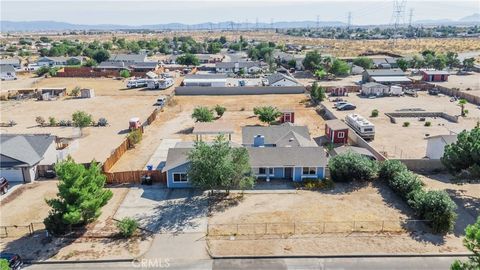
36	26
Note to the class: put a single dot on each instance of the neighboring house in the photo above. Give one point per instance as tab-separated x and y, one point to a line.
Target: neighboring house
370	75
280	79
208	80
354	149
128	58
21	154
144	66
15	62
59	61
132	62
275	152
374	89
435	76
7	73
285	58
436	145
250	67
111	65
336	131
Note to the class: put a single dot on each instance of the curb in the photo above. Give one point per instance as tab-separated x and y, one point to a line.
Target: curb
79	261
345	256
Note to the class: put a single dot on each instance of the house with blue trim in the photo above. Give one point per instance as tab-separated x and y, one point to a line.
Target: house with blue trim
284	152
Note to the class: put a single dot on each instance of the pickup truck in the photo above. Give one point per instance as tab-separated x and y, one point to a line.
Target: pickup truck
3	185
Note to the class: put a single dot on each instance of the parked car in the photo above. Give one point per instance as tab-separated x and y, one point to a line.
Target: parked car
14	260
346	107
3	185
340	103
160	101
50	174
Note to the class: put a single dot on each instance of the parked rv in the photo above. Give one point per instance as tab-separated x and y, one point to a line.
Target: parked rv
136	83
159	83
361	126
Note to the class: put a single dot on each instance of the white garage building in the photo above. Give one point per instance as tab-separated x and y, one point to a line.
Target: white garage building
21	154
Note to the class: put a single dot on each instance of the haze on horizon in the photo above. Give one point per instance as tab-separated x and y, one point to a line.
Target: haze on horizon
191	12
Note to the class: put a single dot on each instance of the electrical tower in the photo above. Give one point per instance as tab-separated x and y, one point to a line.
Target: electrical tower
271	23
256	24
398	17
318	22
349	23
410	17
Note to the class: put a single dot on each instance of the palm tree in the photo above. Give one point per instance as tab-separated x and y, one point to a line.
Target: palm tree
462	103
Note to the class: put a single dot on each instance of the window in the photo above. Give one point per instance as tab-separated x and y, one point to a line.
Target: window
180	177
309	171
341	134
264	170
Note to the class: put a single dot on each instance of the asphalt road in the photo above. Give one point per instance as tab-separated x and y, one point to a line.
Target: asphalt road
434	263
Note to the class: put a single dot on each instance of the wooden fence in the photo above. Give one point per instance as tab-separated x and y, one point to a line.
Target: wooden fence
116	155
135	177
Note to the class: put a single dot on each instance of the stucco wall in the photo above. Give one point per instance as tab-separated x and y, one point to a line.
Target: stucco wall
245	90
180	169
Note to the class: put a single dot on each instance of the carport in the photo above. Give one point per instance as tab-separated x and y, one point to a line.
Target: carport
212	128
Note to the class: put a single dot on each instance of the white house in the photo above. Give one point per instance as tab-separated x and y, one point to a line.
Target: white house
374	89
7	73
22	153
250	67
280	79
15	62
209	80
436	145
59	61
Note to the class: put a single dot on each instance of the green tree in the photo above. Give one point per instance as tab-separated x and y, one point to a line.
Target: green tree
202	114
364	62
220	110
452	59
124	73
468	63
472	243
320	73
101	55
90	63
223	40
81	195
292	63
267	114
352	167
214	47
312	61
4	264
42	71
317	93
75	91
464	154
219	166
188	59
440	62
462	102
402	64
81	119
339	68
52	121
135	136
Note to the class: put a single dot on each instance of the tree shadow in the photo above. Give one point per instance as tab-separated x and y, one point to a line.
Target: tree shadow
185	131
124	131
468	209
345	187
419	231
220	202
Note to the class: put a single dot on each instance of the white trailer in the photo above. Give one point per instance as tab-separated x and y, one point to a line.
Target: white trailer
396	90
159	83
361	126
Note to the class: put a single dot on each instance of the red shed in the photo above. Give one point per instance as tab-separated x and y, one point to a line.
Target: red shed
288	116
336	131
435	76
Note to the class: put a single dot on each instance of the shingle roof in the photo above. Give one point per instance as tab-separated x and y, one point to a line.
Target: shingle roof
10	61
7	68
436	72
336	124
372	84
347	148
110	64
27	149
205	76
273	78
137	58
385	72
277	134
245	64
287	156
144	65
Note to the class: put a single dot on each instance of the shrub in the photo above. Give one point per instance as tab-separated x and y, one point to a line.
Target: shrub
428	123
102	122
351	166
40	121
127	226
62	123
435	206
135	136
317	184
406	124
389	168
404	183
202	114
75	91
374	113
267	114
124	74
220	110
52	121
4	264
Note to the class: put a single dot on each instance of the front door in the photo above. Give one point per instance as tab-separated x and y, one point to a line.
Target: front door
288	173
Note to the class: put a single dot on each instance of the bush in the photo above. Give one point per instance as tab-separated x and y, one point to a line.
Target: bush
75	91
135	136
435	206
389	168
55	224
62	123
351	166
4	264
124	74
127	226
428	123
220	110
202	114
40	121
406	124
316	184
404	183
42	71
102	122
374	113
52	121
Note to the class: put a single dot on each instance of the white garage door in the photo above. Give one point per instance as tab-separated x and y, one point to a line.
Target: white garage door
12	175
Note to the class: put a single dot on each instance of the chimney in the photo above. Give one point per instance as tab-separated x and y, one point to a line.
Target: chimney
259	141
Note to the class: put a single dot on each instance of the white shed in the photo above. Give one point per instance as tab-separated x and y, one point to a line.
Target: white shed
374	89
396	90
436	145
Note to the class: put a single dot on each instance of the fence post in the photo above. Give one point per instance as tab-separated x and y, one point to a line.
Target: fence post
383	224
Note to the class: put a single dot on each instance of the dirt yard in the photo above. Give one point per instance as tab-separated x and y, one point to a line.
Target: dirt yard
408	142
28	205
176	122
468	83
112	101
367	205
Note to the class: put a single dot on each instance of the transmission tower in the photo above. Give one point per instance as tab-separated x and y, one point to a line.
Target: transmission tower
318	22
398	17
410	17
271	23
349	23
256	24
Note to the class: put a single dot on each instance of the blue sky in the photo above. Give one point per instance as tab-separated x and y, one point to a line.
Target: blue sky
156	12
